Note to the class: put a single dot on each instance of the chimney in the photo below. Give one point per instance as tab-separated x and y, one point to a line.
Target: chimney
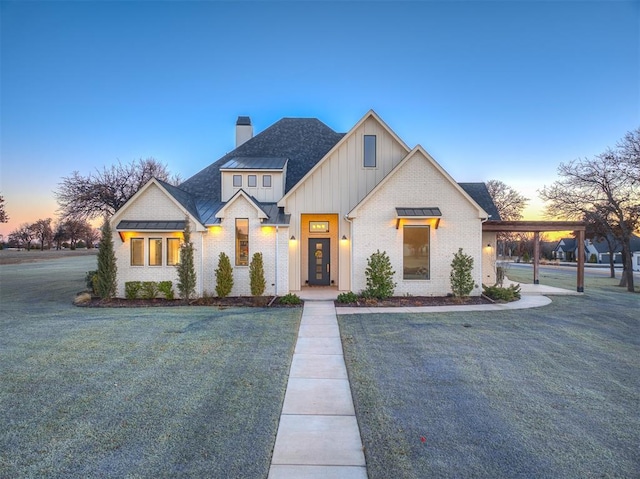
244	130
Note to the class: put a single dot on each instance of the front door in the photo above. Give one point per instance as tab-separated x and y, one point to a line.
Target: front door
319	267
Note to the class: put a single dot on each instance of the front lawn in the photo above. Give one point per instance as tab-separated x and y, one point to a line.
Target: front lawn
157	392
545	392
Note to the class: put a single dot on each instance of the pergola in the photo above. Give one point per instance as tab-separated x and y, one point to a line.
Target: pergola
537	227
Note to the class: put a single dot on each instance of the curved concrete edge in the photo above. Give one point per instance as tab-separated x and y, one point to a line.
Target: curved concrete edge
525	302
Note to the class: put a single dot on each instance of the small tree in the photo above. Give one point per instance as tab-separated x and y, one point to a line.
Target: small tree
107	269
224	276
186	269
461	280
256	275
379	274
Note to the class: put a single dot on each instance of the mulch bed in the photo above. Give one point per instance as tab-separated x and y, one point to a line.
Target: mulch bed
263	301
229	302
412	301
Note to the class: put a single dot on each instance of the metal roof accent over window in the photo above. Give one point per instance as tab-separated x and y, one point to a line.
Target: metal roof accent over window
133	225
247	163
426	212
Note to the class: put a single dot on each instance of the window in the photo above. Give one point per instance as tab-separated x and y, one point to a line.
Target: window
173	251
266	181
242	242
137	252
415	261
155	251
369	151
252	181
237	181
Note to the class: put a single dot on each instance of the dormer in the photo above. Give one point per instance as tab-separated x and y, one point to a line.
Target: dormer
262	178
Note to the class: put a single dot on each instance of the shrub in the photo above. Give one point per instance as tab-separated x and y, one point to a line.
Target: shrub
290	298
497	293
149	289
166	288
224	276
256	275
526	258
132	289
461	280
347	298
379	276
105	284
593	258
90	279
186	268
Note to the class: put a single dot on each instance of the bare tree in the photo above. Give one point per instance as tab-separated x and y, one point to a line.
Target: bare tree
42	231
607	185
75	230
22	236
105	191
59	234
510	205
4	217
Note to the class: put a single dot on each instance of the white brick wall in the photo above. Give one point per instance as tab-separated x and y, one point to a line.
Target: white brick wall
417	183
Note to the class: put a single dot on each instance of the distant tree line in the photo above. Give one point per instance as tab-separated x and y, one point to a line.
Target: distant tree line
42	234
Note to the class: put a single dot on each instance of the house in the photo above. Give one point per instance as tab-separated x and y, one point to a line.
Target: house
597	248
565	250
316	204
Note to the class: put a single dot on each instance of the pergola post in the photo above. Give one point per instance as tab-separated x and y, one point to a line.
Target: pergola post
536	257
580	276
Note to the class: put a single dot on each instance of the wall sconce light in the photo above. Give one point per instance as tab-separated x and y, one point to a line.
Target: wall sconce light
344	237
293	238
489	245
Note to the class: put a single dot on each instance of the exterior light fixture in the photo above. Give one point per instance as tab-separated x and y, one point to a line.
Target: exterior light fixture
293	238
489	245
344	237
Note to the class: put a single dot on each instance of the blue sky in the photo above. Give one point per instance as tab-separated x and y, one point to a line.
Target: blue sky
493	90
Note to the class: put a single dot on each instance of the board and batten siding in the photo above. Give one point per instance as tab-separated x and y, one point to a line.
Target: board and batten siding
338	183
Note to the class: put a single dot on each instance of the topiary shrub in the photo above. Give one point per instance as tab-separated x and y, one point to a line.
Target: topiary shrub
105	283
347	298
461	280
593	258
149	290
526	258
132	289
512	293
379	274
186	268
166	288
290	298
224	276
256	275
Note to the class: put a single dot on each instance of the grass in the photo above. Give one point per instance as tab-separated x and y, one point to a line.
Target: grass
545	392
157	392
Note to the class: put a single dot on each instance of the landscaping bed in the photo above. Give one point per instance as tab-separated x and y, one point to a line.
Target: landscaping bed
411	301
228	302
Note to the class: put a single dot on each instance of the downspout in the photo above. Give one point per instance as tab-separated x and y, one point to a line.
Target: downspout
276	283
352	226
202	264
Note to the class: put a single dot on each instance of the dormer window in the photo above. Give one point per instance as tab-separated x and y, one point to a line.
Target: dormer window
237	181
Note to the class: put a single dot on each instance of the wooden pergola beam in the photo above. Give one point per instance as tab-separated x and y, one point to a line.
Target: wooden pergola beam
537	227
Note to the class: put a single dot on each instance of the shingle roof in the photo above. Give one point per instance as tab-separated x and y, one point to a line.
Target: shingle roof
304	141
480	194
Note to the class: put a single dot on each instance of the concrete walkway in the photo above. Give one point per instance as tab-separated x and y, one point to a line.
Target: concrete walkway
318	436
